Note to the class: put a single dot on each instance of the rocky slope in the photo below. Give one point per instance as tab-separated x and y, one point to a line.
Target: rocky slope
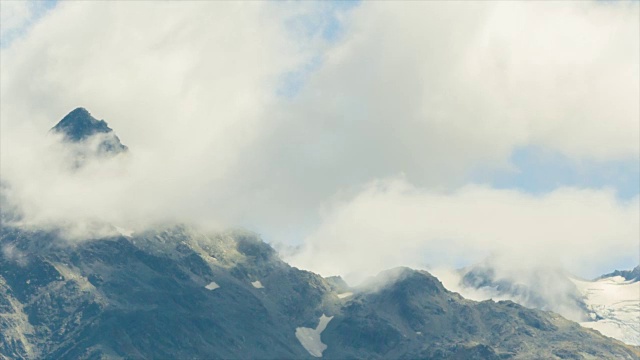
150	297
179	293
628	275
609	304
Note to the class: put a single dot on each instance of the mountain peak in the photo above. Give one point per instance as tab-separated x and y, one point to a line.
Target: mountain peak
629	275
80	125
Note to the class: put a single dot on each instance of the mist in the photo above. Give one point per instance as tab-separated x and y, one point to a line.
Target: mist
364	165
393	223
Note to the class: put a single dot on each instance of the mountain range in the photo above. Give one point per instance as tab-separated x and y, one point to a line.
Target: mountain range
609	303
178	292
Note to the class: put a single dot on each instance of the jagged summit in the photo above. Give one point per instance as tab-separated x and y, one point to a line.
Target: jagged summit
79	125
629	275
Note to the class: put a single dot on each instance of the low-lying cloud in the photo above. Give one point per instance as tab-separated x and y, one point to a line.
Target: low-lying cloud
392	223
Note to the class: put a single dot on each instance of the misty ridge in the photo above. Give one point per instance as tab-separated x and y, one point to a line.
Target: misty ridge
344	180
95	184
341	168
84	142
89	172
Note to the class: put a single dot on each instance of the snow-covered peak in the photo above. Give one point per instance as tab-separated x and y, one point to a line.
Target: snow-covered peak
629	275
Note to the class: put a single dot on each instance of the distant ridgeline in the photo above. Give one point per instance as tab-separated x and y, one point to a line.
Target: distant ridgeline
80	127
629	275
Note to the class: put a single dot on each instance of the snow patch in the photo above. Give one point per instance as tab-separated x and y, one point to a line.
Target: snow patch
345	295
73	274
614	306
212	286
310	338
257	284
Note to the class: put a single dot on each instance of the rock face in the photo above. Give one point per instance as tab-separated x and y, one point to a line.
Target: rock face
149	296
629	275
609	304
415	317
80	127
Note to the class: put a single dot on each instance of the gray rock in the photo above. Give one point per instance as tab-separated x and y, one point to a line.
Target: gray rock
145	296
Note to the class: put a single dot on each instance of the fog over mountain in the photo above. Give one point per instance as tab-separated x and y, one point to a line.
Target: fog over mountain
272	137
609	303
498	138
228	295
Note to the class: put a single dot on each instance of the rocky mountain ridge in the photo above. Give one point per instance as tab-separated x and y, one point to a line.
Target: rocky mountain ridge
151	295
629	275
609	303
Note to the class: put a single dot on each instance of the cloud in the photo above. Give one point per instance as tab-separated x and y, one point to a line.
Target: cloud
467	83
14	14
392	223
438	90
186	86
542	287
16	18
430	90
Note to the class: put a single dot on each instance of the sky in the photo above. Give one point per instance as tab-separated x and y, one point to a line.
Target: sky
353	136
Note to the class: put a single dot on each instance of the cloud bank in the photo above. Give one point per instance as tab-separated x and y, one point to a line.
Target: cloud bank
369	158
393	223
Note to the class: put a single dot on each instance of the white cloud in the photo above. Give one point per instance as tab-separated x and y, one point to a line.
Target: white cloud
392	223
185	86
466	83
431	90
435	90
18	16
14	15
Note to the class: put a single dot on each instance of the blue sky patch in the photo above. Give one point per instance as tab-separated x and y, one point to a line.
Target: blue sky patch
325	25
540	171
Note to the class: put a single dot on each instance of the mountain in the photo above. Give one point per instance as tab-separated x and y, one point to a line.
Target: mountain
177	292
629	275
171	293
180	293
540	288
414	316
79	126
609	304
